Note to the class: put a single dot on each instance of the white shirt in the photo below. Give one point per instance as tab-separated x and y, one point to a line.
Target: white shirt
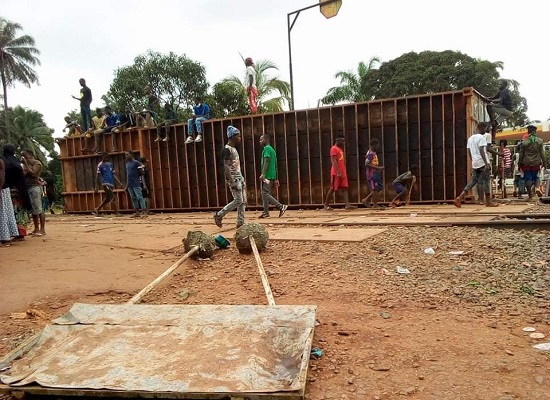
476	141
250	72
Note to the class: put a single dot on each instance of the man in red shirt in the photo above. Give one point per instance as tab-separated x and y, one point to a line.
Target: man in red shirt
338	174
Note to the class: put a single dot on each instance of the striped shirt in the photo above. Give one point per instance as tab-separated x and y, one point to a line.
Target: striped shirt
507	158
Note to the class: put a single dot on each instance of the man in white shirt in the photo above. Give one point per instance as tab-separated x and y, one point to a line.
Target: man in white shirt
481	168
251	88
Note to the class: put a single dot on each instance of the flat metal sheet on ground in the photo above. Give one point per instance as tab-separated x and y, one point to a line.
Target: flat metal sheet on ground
171	348
325	234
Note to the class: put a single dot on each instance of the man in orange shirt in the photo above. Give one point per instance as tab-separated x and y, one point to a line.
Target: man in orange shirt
338	174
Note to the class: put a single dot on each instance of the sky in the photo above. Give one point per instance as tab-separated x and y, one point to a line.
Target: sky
91	39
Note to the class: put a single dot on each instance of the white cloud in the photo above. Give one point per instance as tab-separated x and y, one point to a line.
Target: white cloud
92	39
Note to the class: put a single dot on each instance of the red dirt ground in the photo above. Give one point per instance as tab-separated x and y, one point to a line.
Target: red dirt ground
453	328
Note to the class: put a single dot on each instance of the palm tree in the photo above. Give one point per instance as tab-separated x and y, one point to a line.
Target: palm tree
17	57
273	93
353	85
30	132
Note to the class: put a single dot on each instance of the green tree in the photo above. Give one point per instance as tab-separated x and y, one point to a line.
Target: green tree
174	78
31	132
18	56
227	100
273	93
432	72
353	87
54	166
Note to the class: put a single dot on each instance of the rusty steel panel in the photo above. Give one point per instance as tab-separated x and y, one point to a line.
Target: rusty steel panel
429	131
199	349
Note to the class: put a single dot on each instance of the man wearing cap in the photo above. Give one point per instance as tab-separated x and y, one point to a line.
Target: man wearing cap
233	178
531	158
251	88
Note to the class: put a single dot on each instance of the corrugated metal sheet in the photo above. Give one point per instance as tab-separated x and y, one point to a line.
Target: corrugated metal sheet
429	131
157	348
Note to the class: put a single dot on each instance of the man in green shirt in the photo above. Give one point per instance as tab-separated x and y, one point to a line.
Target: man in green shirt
268	177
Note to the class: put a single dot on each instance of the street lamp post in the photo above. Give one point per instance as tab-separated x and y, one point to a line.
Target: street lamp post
331	13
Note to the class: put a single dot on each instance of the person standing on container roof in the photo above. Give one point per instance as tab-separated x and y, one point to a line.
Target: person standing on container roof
85	101
233	178
251	89
201	112
531	159
481	168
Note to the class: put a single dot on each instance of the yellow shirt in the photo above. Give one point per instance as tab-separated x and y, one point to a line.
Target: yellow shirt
99	122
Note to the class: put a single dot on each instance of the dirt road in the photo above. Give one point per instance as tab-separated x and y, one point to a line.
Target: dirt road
451	329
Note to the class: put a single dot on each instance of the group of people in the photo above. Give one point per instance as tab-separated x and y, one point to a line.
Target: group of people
108	121
137	184
23	191
234	178
529	159
403	184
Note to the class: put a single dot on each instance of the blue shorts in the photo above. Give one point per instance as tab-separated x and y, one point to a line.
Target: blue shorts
375	182
531	176
399	188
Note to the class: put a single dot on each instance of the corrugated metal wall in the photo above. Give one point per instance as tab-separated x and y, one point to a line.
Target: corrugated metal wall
430	131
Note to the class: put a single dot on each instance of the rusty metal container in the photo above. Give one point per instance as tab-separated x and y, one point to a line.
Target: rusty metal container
428	130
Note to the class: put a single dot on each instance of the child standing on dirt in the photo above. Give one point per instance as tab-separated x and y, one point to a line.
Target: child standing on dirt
374	174
106	177
403	185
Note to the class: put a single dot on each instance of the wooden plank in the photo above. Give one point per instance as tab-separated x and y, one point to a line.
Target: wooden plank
143	292
263	276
